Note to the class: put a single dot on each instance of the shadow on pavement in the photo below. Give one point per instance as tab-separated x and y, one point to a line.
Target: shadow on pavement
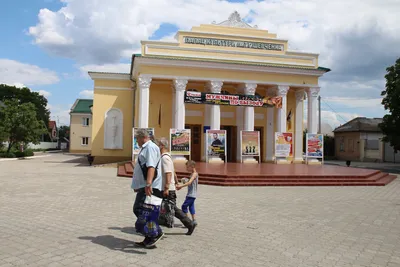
114	243
127	230
79	162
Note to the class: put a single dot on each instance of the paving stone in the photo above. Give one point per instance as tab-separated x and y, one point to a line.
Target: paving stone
56	211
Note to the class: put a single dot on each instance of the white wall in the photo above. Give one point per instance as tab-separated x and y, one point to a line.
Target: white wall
43	145
371	136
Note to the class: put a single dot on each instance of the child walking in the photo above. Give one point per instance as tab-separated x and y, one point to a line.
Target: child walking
192	190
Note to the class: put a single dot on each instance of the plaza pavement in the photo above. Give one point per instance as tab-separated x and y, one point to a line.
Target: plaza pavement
56	211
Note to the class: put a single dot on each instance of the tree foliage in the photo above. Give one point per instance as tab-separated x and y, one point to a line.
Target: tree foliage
19	123
25	95
63	132
390	125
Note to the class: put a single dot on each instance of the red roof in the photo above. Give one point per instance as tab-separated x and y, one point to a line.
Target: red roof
52	124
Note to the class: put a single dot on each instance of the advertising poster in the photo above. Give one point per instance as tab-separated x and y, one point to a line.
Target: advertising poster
315	146
180	141
216	143
250	143
283	145
136	147
193	97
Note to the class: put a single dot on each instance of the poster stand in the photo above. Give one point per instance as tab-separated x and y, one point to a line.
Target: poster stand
319	146
185	143
280	152
258	145
208	132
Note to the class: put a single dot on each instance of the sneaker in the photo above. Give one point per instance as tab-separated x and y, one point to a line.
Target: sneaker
144	242
154	241
191	229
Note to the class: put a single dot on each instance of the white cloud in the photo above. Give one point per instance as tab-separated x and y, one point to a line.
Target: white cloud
20	74
44	93
60	113
86	93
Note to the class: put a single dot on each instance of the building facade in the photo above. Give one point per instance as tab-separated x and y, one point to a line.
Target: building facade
81	126
231	57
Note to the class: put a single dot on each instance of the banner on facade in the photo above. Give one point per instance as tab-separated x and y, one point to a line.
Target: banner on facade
180	141
192	97
283	145
216	144
314	145
136	147
250	141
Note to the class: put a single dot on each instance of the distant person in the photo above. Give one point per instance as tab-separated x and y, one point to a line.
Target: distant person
192	190
169	188
147	183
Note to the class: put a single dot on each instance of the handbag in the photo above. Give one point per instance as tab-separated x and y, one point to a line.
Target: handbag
167	213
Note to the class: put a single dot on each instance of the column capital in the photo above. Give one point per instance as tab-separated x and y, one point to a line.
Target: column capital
179	84
281	90
248	88
144	82
300	95
313	91
214	86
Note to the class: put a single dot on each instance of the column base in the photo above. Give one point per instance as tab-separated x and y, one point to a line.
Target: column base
283	161
250	160
179	159
298	161
215	160
314	162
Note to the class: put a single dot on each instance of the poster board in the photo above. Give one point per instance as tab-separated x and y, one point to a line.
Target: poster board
216	144
135	145
179	140
283	145
314	146
250	144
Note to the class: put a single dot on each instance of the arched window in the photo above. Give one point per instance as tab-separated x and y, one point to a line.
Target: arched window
113	129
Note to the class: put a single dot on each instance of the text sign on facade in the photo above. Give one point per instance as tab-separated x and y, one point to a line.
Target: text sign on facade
192	97
233	43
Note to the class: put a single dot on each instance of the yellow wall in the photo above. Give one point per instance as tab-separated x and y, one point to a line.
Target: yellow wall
104	100
78	131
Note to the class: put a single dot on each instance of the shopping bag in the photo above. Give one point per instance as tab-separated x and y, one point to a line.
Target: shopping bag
147	222
167	213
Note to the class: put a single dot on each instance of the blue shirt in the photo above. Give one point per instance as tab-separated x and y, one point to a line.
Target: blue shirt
149	155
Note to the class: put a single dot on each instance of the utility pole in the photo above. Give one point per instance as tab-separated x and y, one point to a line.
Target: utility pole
319	115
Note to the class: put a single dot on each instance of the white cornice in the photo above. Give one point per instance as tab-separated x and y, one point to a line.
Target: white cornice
232	35
148	42
220	66
109	76
234	52
112	88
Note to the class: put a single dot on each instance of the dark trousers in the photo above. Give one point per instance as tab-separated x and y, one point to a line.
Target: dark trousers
179	214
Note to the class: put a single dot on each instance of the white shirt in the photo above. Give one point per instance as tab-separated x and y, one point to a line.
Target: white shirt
167	166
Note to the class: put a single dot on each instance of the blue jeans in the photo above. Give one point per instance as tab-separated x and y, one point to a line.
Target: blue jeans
189	203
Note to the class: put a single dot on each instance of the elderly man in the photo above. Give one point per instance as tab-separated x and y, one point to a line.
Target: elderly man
147	183
169	180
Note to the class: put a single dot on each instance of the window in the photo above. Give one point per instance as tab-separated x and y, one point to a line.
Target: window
372	144
341	144
85	141
85	121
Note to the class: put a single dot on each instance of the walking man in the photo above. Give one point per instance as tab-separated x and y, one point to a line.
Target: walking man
169	182
147	183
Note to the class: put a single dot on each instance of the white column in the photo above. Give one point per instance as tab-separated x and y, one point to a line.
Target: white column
312	95
207	112
239	127
247	117
270	133
144	101
178	112
214	112
298	136
282	91
179	104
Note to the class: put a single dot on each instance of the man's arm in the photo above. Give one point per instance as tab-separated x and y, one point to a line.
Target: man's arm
168	175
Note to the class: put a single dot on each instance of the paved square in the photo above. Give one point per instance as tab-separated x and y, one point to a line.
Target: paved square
56	211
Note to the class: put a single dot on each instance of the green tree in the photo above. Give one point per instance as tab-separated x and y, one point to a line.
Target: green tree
63	132
19	123
390	125
25	95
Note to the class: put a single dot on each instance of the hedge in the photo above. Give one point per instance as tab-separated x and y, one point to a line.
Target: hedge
7	155
17	154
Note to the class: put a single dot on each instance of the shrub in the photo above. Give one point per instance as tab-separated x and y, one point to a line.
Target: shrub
26	153
7	155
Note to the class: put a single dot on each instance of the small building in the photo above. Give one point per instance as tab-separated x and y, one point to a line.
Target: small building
359	140
53	130
81	126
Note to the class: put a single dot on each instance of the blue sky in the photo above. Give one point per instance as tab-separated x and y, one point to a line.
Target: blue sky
51	50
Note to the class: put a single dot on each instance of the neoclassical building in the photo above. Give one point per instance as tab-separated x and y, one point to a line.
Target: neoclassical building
231	57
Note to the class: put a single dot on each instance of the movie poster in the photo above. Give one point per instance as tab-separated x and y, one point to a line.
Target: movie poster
250	143
180	141
314	146
283	145
136	147
216	143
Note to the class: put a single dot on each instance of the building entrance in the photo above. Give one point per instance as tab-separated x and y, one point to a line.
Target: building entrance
195	141
231	139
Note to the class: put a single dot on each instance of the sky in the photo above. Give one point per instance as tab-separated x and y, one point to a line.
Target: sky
50	45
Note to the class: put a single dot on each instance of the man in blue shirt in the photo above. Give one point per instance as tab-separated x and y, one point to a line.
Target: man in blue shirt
147	183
